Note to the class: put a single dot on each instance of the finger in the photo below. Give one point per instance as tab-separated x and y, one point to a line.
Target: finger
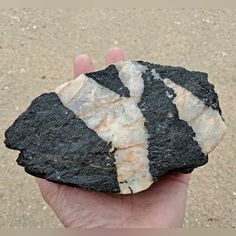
82	64
114	55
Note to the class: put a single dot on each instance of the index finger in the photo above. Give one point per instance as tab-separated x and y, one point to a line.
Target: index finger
82	64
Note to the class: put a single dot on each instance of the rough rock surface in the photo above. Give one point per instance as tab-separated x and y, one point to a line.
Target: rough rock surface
114	83
58	146
119	129
194	81
171	143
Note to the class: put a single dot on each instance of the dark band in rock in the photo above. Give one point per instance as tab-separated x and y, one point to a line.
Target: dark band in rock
171	144
193	81
58	146
109	78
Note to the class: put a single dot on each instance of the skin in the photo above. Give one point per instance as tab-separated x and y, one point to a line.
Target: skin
160	206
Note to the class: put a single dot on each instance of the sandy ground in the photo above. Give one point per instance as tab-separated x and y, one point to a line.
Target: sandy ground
37	48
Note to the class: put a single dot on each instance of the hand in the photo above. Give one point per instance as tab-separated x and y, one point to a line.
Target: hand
161	206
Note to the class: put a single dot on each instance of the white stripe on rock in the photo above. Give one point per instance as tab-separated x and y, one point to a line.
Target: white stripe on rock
115	119
205	122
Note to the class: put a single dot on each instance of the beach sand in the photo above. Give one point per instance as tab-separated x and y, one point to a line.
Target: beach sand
37	48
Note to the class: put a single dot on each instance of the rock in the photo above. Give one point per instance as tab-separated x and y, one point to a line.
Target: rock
118	130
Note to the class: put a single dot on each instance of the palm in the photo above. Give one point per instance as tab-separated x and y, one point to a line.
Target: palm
163	205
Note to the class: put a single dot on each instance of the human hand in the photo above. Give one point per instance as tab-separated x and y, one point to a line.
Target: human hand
161	206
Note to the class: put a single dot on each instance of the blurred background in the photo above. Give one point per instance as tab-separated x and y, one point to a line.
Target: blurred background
37	48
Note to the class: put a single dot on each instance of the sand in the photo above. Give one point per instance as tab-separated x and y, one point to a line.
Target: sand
37	48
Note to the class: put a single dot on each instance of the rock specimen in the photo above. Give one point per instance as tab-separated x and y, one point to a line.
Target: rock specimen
120	129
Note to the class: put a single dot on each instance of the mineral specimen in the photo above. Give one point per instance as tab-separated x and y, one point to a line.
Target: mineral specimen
120	129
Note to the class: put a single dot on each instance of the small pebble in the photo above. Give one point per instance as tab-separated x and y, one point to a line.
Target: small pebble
224	53
15	18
